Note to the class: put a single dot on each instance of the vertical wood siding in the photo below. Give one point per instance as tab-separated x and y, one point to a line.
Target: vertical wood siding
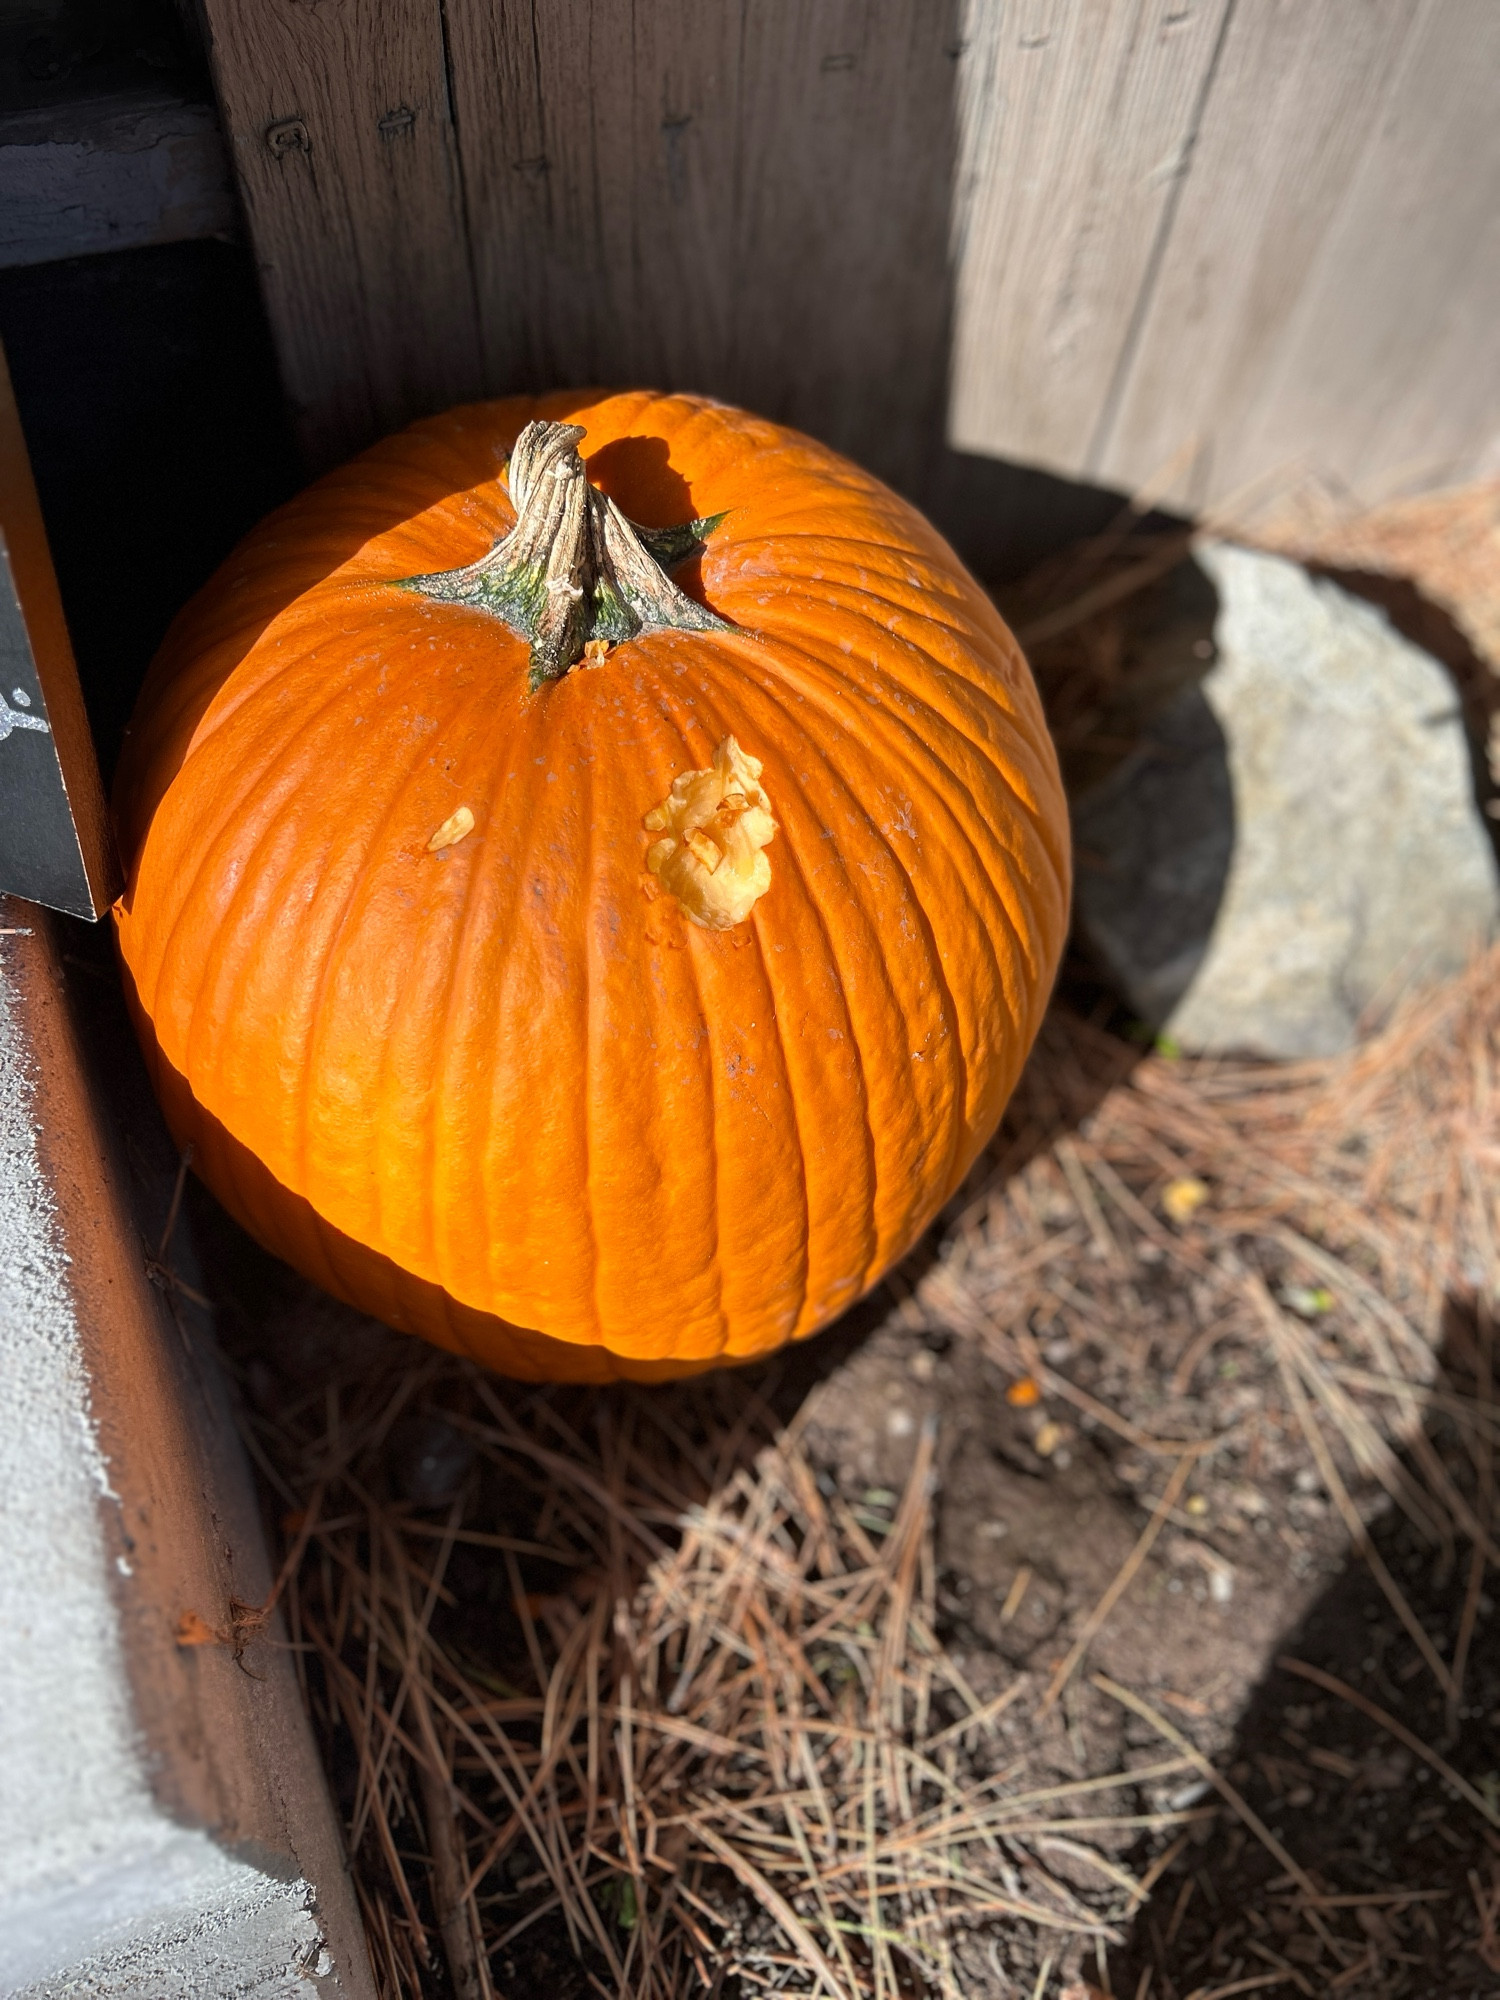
1204	244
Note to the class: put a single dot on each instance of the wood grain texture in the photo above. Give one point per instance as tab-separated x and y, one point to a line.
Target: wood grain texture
1311	290
747	200
1386	375
111	173
338	120
1198	242
1076	120
1295	114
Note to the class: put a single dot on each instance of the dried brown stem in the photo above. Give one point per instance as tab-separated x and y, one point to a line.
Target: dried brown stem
573	572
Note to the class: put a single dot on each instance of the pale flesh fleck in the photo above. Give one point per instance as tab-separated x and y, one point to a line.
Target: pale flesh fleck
1183	1198
713	826
452	830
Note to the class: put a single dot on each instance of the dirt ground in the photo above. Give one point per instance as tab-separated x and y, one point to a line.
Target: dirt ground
1254	1566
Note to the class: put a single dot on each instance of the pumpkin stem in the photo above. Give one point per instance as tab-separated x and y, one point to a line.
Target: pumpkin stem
574	573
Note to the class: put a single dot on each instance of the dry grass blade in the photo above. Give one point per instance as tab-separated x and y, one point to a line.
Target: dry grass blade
1256	1983
779	1908
1339	1493
1232	1798
763	1708
1332	1685
1096	1619
1483	1448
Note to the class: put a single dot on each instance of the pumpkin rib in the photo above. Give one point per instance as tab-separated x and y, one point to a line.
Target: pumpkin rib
350	1274
591	983
673	730
988	685
374	498
724	1337
709	1066
794	632
434	1207
185	891
795	1116
501	1022
483	870
331	921
868	1232
949	1008
222	711
338	1282
698	415
845	552
245	1202
197	1021
589	919
943	819
668	701
717	731
261	779
793	635
871	924
359	886
921	778
206	644
790	859
440	460
884	713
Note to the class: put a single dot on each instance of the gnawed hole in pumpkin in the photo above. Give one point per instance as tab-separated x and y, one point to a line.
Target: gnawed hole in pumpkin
713	827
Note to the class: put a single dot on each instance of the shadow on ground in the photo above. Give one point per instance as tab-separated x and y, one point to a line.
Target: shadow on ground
1398	1858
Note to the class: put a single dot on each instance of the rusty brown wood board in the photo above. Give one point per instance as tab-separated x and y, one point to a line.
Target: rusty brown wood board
1201	245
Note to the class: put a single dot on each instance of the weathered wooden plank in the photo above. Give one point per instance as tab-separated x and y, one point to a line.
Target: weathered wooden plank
1145	237
1304	284
750	201
339	124
111	173
1290	115
1076	123
1386	378
846	155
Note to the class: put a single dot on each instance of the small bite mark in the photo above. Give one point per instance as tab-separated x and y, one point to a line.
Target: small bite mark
713	827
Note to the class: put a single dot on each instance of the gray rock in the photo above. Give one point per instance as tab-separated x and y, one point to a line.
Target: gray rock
1296	840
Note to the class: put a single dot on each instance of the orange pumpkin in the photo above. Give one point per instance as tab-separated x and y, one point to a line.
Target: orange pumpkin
599	948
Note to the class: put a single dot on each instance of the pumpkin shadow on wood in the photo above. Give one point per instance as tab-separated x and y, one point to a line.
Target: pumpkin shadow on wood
1350	1803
